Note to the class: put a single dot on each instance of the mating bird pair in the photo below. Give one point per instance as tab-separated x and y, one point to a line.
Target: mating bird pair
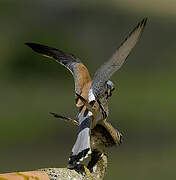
92	96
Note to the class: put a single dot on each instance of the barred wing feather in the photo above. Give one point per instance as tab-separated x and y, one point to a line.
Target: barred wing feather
103	74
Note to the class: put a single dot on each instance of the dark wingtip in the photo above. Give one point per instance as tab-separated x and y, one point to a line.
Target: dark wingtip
144	21
28	44
32	45
43	50
37	47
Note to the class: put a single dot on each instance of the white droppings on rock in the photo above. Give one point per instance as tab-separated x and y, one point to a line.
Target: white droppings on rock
94	168
81	159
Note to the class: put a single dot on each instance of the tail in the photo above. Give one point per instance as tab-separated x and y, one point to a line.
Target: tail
81	148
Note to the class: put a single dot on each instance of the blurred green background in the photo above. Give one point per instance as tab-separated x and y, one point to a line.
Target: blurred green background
142	107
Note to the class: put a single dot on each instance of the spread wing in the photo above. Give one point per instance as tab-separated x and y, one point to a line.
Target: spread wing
81	148
103	74
72	63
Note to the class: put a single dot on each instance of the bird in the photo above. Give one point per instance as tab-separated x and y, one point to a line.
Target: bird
92	95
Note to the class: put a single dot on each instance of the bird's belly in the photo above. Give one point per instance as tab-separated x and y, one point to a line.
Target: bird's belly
97	118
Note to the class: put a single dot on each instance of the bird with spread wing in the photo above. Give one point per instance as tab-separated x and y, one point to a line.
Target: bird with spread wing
92	95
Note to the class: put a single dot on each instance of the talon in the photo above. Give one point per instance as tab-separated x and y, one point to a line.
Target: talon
88	173
120	138
80	168
102	109
96	155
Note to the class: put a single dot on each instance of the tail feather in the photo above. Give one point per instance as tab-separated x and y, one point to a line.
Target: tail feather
81	148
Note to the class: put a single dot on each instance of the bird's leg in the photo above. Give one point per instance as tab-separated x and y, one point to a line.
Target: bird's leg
90	106
102	109
88	173
95	157
80	168
72	121
119	137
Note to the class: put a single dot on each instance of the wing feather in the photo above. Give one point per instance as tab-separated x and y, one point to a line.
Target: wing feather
73	64
103	74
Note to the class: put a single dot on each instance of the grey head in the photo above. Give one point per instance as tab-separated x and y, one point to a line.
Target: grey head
110	88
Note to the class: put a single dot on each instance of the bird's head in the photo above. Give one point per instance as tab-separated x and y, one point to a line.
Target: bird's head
110	88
